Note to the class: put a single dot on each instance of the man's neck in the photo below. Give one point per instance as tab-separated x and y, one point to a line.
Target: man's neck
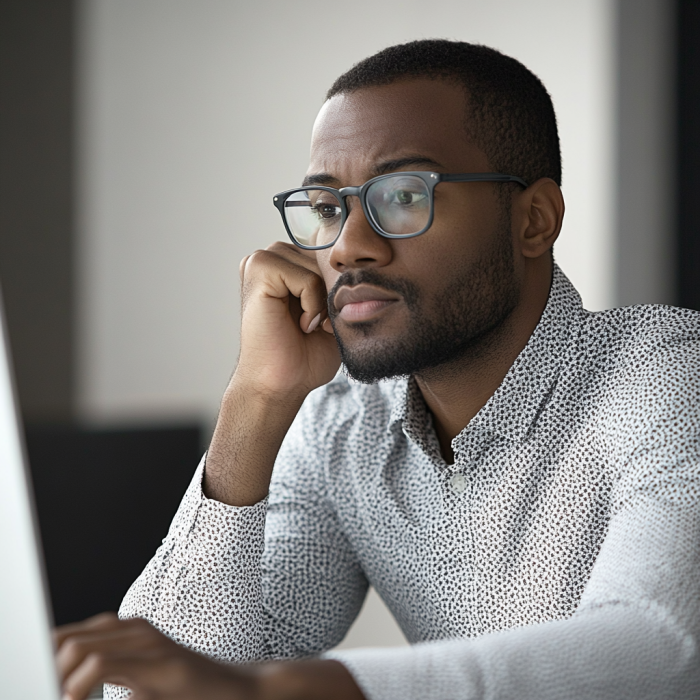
455	393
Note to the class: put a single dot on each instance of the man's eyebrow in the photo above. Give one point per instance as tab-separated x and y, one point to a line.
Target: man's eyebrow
386	166
320	179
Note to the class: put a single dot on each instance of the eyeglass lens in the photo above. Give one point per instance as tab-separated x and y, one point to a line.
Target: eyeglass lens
313	217
399	206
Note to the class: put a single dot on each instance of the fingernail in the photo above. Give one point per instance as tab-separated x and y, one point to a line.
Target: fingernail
314	323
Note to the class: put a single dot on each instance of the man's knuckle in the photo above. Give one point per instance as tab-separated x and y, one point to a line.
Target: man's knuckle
97	662
69	651
106	617
258	258
75	646
102	620
278	246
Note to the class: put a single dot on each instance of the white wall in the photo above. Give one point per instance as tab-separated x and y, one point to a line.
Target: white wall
194	112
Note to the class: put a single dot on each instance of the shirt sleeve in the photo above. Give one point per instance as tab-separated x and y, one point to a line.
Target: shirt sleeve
634	635
271	581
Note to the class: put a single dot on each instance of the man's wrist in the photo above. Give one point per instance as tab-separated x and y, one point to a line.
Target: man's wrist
246	386
239	463
317	679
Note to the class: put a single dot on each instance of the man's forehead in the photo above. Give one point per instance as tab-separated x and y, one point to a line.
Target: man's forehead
402	110
374	125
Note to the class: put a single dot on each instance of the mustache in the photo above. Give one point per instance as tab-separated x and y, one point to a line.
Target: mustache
407	289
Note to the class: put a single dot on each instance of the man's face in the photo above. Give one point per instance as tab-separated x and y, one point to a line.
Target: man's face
404	306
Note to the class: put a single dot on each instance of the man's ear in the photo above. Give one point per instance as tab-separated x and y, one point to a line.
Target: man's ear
537	214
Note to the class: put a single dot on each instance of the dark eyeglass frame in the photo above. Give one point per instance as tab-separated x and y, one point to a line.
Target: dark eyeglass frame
431	179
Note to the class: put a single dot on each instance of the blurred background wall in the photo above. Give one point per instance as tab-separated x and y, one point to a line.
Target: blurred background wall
193	114
142	141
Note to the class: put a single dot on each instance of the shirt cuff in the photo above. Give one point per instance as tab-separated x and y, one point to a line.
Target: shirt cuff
405	673
212	531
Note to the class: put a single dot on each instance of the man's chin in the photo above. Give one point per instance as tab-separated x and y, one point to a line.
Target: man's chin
370	362
368	374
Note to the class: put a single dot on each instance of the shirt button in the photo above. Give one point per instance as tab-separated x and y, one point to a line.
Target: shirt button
458	483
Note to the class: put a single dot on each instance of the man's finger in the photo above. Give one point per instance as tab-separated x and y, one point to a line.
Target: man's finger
295	255
127	636
106	620
241	268
130	670
275	276
155	674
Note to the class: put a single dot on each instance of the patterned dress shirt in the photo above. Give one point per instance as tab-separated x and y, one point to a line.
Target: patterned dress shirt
557	558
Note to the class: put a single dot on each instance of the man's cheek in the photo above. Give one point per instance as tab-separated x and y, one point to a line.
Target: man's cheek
330	277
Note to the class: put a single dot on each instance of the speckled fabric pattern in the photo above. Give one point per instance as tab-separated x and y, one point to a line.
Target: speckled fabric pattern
559	557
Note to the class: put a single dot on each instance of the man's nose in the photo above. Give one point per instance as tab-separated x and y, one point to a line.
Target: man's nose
359	245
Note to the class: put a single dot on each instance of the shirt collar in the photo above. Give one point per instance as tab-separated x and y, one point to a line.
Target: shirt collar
515	405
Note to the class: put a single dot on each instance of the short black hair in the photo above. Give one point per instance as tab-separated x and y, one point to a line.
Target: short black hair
510	115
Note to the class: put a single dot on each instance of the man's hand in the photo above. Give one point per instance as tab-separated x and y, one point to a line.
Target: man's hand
287	343
105	649
134	654
287	350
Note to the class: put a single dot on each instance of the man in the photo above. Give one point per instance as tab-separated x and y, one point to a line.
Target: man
517	477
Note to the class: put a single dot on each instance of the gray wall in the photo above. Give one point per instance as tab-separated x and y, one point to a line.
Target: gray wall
192	114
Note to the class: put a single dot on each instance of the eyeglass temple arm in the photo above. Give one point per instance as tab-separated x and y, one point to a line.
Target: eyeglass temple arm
483	177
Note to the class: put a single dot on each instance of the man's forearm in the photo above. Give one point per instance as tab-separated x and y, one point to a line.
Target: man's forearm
246	440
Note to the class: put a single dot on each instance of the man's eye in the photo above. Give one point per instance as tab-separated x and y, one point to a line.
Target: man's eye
406	197
326	211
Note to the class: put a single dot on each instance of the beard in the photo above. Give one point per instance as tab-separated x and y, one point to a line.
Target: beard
458	323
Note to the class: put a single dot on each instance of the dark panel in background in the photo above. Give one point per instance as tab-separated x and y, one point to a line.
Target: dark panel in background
36	200
105	499
689	153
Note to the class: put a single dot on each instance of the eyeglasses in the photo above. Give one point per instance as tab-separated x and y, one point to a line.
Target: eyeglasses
398	205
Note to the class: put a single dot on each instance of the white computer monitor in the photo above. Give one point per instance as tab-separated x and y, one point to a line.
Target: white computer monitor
27	668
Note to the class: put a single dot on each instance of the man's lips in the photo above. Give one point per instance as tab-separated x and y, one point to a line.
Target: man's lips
363	301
